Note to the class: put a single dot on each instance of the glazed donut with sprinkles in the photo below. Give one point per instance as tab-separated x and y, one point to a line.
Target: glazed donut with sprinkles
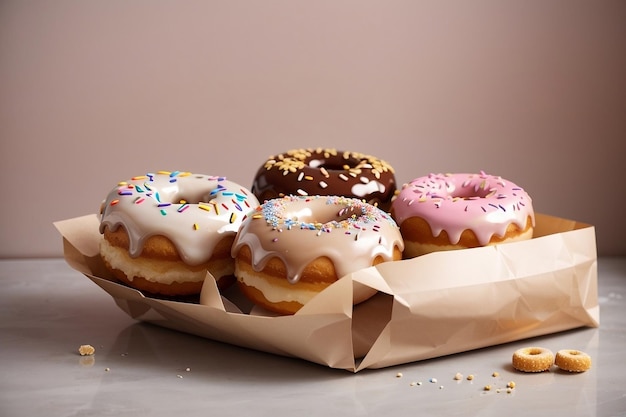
292	248
163	231
455	211
326	172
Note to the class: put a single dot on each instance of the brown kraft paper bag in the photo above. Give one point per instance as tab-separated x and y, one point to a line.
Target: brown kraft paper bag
434	305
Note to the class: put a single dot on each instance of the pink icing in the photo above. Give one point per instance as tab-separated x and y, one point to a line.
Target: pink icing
483	203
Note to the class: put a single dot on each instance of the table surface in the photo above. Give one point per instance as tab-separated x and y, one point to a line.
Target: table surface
47	310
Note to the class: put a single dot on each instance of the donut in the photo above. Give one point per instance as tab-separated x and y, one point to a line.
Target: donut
293	247
456	211
326	172
533	359
572	360
163	231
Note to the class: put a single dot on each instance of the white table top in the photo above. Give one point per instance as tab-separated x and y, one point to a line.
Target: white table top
47	310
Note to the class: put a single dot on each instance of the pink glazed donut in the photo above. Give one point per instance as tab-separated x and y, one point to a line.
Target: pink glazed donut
456	211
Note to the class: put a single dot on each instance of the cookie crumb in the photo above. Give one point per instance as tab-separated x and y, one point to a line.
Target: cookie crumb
458	376
470	377
432	380
495	374
511	385
487	388
399	375
86	350
187	369
107	369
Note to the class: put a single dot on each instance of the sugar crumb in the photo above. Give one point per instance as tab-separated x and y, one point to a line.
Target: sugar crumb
86	350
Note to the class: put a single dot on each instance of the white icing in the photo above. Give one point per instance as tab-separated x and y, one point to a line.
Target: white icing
298	230
151	205
365	189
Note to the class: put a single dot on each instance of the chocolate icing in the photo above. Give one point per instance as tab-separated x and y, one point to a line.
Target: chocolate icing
326	172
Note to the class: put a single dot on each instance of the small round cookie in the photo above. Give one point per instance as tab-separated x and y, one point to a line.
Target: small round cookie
572	360
309	172
533	359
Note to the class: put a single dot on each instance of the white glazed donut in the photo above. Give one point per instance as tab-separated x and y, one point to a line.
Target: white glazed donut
164	230
293	247
455	211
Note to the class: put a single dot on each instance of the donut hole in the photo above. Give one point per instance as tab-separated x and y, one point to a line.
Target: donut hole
535	351
334	164
470	193
192	199
202	196
322	215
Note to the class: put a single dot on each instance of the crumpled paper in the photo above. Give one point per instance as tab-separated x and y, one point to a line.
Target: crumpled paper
434	305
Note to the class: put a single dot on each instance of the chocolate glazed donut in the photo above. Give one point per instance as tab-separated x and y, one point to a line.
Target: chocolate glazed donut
326	172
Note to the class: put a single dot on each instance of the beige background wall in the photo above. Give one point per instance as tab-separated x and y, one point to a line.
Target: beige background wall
92	92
